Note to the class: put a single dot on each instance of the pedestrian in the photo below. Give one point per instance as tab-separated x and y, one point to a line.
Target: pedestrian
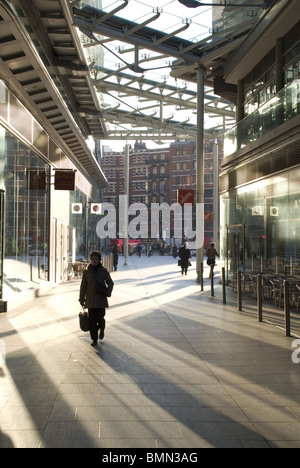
149	250
211	257
184	255
139	249
115	253
175	251
96	286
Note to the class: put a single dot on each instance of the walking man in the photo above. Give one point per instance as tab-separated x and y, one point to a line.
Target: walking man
96	286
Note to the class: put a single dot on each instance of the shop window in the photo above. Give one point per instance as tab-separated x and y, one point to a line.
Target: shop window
26	215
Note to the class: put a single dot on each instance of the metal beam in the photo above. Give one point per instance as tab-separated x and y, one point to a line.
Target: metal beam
167	99
150	39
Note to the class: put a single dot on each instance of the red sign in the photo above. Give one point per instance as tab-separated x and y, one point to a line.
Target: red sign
186	197
64	179
208	216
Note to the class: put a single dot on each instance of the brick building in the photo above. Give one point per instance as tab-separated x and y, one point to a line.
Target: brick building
155	175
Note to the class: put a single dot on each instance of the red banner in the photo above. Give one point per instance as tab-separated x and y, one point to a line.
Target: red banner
186	197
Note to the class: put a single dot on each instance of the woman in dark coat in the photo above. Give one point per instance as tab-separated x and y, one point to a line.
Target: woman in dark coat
184	255
211	257
96	287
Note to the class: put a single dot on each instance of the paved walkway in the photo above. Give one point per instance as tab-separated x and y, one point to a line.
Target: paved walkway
177	369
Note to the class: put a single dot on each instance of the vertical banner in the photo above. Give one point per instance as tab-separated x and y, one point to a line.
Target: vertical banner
199	225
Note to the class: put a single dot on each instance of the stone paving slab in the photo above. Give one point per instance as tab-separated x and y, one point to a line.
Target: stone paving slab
177	369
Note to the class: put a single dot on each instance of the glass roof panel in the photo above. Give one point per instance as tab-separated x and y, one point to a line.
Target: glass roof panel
139	96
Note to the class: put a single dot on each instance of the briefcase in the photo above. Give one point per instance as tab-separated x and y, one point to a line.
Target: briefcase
84	321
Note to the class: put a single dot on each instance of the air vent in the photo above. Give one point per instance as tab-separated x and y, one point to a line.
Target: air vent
275	161
22	70
10	57
9	38
280	161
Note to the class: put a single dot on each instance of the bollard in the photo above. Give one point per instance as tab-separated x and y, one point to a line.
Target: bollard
239	290
286	286
259	297
211	280
201	277
224	285
30	268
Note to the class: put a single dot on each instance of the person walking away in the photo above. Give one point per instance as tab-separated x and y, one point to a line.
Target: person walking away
139	249
115	253
211	257
184	255
174	251
96	286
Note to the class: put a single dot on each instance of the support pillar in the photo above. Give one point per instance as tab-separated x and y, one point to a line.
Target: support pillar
126	202
200	173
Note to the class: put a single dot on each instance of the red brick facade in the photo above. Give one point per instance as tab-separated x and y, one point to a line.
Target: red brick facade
155	175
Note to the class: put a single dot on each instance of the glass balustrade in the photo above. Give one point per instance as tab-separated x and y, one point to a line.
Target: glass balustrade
278	110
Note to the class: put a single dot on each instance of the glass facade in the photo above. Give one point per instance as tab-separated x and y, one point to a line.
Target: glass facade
83	235
25	217
260	224
278	110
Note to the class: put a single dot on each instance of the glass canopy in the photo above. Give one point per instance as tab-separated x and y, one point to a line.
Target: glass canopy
144	58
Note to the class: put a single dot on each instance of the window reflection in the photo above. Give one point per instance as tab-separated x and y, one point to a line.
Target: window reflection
26	214
269	210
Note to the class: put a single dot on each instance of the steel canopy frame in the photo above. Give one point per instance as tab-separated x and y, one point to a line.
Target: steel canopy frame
188	55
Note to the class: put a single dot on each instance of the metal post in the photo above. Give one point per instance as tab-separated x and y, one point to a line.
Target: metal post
286	286
216	197
224	285
126	202
259	297
211	280
200	171
201	277
239	290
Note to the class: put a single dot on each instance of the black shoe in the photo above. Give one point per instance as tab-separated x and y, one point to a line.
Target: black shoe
101	336
94	343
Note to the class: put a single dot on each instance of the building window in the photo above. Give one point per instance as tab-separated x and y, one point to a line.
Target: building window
26	234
